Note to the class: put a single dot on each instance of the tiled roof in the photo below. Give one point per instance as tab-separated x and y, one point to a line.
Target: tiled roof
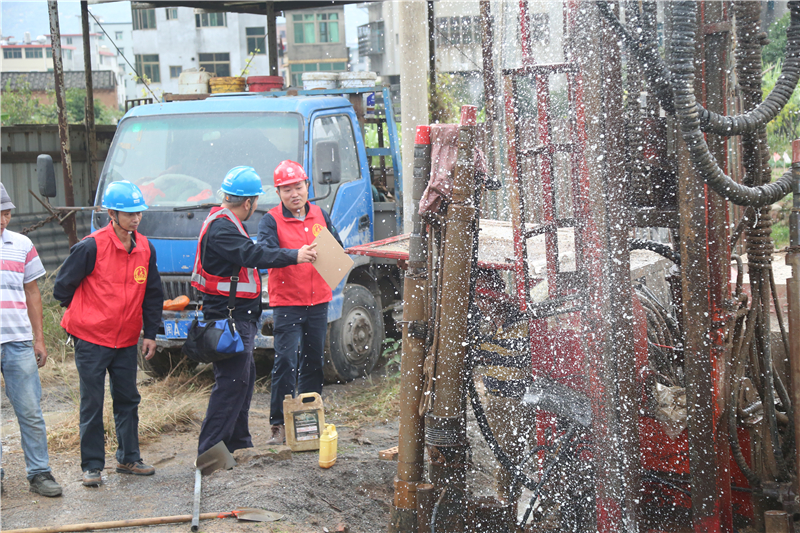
44	81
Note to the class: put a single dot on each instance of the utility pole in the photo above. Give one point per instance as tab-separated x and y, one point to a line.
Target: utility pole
63	128
91	137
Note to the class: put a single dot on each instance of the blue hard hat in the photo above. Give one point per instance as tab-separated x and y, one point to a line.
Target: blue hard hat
124	196
242	181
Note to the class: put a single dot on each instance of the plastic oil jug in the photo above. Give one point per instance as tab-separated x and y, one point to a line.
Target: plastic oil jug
304	417
327	446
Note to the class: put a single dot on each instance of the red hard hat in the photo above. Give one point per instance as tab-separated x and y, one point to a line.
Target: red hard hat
288	172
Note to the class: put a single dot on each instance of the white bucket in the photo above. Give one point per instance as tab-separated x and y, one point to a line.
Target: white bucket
193	81
352	80
320	80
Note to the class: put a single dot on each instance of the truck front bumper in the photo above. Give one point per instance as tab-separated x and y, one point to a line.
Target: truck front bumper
175	327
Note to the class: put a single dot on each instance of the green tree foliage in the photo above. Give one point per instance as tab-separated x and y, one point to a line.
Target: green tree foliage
20	106
775	51
786	125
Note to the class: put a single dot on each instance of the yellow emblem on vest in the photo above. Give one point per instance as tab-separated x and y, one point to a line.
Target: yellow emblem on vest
140	274
316	229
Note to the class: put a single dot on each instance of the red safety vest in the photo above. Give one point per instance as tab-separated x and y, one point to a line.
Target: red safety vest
107	306
297	284
249	285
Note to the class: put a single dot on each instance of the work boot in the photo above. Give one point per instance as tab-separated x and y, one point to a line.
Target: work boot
138	469
92	478
278	435
45	484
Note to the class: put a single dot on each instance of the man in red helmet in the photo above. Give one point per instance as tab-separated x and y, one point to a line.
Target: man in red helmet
297	293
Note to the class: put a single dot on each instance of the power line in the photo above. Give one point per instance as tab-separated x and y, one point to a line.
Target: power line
119	52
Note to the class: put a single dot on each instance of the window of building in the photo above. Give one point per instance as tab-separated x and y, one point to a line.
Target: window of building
68	55
68	40
304	32
144	19
172	13
101	60
12	53
540	28
147	66
175	72
328	27
101	37
256	40
297	70
204	20
118	35
442	32
470	30
216	64
31	53
49	53
319	28
121	51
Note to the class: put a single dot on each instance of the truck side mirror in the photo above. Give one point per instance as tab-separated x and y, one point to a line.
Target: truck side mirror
47	176
327	165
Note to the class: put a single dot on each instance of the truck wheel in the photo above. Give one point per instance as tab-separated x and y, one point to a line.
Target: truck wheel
353	344
162	362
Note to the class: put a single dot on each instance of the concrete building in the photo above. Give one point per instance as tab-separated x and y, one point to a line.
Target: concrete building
167	41
120	43
315	42
379	41
33	57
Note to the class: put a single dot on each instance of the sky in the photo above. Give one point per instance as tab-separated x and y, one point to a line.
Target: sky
19	17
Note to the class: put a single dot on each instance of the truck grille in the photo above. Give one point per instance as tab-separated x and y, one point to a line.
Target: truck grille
175	286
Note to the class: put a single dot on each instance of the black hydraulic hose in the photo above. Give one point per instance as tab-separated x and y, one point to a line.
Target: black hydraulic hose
683	47
483	424
654	246
660	79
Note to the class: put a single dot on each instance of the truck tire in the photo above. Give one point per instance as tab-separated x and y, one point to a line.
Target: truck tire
353	343
162	362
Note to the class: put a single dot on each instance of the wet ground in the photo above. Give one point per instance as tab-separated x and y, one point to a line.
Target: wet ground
356	491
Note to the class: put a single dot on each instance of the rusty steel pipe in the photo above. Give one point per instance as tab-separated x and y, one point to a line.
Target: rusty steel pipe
445	425
793	299
411	451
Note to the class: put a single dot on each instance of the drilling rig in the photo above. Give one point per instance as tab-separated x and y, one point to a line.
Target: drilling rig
611	401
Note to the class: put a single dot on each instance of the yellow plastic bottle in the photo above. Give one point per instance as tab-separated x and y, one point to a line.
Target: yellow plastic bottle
328	442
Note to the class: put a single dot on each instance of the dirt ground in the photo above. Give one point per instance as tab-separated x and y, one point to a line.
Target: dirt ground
356	491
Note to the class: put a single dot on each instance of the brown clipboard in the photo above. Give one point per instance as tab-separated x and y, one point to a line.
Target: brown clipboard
331	263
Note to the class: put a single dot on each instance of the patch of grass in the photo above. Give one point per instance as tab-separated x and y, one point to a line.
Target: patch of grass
377	401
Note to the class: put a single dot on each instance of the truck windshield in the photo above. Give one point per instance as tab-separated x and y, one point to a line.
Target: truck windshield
180	160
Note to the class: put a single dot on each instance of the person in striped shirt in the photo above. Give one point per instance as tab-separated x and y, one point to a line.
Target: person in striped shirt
22	349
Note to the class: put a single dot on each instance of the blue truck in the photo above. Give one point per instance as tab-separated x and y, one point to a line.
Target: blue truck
178	153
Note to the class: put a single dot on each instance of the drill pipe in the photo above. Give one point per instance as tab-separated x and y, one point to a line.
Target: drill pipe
445	431
793	297
410	450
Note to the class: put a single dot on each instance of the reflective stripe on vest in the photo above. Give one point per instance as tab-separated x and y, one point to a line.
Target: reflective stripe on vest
249	285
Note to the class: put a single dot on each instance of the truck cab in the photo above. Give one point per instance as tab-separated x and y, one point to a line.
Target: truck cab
179	152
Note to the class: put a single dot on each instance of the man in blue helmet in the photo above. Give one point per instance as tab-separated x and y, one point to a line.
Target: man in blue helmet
224	250
111	289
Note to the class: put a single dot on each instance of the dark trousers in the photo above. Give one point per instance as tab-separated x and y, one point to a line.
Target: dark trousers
299	334
93	361
229	404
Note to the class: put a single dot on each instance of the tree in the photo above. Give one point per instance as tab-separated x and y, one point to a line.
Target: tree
776	49
21	107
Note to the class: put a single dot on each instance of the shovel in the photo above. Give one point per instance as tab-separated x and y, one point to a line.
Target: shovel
210	461
245	513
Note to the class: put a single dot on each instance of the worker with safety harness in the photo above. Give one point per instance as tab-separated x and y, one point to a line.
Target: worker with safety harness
225	251
111	288
298	294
